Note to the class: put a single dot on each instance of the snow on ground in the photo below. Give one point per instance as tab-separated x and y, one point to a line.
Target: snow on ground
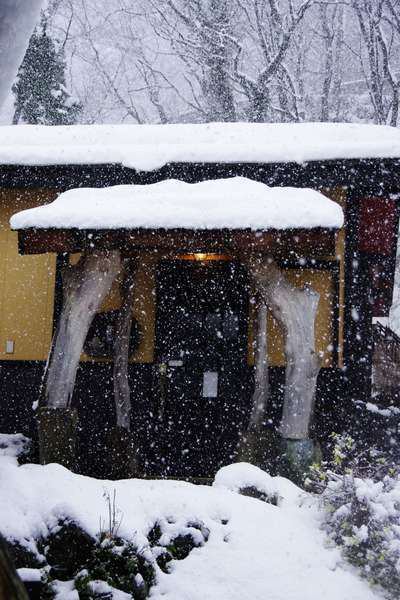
255	551
234	203
148	147
13	444
389	411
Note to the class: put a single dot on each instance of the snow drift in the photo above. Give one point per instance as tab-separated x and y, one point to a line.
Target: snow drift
254	550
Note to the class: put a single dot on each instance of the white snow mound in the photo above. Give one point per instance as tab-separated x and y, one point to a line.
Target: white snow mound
255	550
239	476
13	444
234	203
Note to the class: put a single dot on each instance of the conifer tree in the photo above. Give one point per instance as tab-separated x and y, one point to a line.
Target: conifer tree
40	93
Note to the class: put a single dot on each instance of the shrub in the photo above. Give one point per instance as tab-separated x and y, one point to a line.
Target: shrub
98	567
360	495
17	445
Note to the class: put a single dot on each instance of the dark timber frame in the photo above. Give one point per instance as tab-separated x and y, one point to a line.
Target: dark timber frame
377	177
300	242
373	176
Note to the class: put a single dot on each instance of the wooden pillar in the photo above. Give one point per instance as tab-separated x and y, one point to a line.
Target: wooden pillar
261	387
295	309
86	284
11	586
252	446
122	447
121	347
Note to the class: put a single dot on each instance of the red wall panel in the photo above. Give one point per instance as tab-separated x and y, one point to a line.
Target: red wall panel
378	222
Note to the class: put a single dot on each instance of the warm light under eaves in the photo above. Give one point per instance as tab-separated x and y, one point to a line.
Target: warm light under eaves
203	257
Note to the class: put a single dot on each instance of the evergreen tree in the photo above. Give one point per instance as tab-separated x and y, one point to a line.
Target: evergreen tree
40	93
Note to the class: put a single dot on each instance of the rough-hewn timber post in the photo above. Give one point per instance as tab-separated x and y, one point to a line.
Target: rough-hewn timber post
260	397
123	460
11	587
252	444
295	309
85	286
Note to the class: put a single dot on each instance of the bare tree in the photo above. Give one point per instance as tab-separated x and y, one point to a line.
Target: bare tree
379	25
331	20
200	33
273	26
260	60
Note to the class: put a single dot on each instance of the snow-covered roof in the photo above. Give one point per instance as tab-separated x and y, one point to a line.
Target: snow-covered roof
148	147
235	203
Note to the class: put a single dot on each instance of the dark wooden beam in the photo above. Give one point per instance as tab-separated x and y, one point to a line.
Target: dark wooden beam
367	176
289	243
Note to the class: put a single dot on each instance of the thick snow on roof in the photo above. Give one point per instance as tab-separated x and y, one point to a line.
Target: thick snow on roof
148	147
235	203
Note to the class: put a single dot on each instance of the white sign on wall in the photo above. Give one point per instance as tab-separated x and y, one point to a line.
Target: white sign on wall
210	384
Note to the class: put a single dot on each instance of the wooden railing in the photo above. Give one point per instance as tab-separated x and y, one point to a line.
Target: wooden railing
384	336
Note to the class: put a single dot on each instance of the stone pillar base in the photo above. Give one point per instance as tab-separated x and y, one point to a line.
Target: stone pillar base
258	446
58	428
296	458
122	454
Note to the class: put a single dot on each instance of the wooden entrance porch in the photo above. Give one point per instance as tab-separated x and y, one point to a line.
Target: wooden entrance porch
201	337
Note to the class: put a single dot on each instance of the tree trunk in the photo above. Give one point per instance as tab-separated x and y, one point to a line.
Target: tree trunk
17	116
328	38
295	310
261	384
86	285
121	348
122	460
254	445
395	105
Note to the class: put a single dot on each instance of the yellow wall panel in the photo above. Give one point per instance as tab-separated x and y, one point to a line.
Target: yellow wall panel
26	285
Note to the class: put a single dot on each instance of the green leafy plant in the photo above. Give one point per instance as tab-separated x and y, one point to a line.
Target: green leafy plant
360	495
96	566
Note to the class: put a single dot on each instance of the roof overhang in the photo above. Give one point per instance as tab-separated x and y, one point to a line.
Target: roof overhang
225	215
289	243
366	176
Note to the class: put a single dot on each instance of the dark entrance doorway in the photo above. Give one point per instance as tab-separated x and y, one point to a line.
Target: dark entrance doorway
202	372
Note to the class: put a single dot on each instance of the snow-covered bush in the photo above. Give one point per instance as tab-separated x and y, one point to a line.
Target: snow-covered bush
360	494
16	445
69	559
248	480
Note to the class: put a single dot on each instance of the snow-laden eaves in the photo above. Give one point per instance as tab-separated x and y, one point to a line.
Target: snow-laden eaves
235	203
149	147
